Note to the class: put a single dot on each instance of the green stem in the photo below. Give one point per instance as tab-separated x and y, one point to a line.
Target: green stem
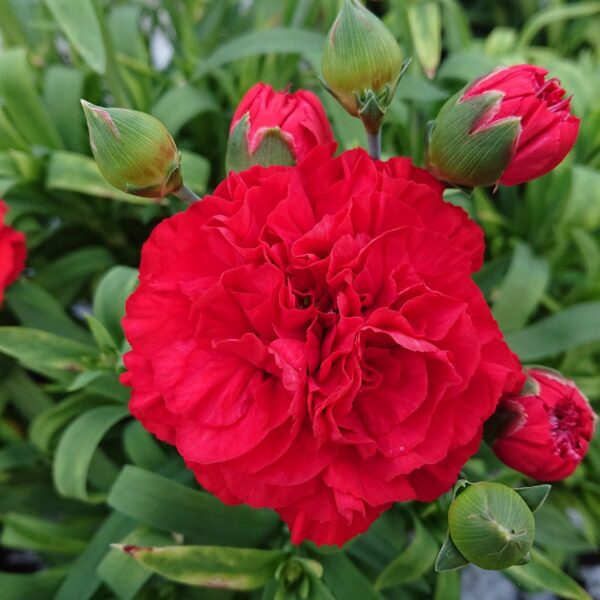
374	144
184	193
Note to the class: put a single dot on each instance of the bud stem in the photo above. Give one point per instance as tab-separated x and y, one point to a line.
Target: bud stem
184	193
374	140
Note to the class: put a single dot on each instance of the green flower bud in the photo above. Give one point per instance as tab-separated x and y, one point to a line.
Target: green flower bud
362	64
491	525
134	151
466	148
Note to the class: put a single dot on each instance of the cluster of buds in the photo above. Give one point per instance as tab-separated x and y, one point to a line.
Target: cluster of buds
508	127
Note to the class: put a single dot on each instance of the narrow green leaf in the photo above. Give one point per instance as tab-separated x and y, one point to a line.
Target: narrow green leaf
10	137
412	563
143	496
583	206
63	87
43	352
37	309
210	566
180	104
456	26
318	590
104	340
466	65
522	289
541	574
425	22
121	573
141	447
256	43
419	89
82	581
18	454
111	294
79	22
343	576
77	447
22	102
195	169
50	422
107	385
27	397
555	14
31	586
66	276
74	172
12	27
557	333
32	533
126	32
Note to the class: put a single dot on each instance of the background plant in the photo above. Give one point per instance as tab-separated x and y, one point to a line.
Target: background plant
76	472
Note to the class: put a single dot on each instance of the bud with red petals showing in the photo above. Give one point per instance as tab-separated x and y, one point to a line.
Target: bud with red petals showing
545	431
275	128
534	127
12	252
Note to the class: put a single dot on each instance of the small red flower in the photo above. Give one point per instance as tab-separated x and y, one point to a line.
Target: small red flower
311	341
300	117
12	252
548	129
549	430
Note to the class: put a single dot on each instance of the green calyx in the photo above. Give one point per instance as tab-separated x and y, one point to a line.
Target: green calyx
273	148
467	151
134	151
490	525
362	64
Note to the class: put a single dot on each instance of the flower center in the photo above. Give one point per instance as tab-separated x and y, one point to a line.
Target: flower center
552	94
566	421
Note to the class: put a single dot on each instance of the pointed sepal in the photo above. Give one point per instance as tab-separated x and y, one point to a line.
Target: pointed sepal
534	495
449	557
465	148
272	147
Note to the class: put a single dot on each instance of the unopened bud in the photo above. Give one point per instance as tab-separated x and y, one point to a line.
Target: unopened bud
491	525
134	151
362	64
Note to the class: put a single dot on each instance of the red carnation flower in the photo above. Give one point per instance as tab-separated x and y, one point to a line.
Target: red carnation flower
12	252
299	117
549	430
311	341
548	129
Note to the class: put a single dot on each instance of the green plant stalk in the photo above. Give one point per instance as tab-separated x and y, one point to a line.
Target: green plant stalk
184	193
374	140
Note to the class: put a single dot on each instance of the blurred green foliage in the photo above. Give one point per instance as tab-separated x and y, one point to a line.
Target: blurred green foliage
76	472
